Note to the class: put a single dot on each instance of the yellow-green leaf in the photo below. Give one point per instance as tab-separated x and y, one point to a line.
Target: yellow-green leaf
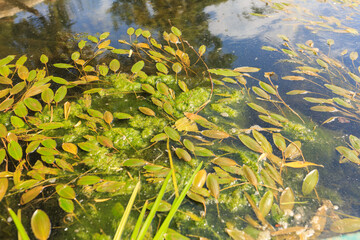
40	225
310	181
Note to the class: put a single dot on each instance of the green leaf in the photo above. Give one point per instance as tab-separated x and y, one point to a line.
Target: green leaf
266	203
17	221
66	204
20	109
137	67
51	125
224	72
6	103
65	191
6	60
63	65
88	180
60	94
310	181
40	225
44	59
47	95
172	133
33	104
176	31
114	65
15	150
346	225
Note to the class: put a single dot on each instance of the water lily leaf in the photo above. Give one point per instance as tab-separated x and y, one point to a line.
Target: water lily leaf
224	72
88	180
349	154
40	225
183	154
223	161
199	179
250	143
250	176
266	203
346	225
30	195
189	145
51	125
217	134
65	191
203	152
105	141
60	94
33	104
15	150
287	199
6	103
4	182
147	111
300	164
310	181
134	163
213	185
66	204
109	186
120	115
172	133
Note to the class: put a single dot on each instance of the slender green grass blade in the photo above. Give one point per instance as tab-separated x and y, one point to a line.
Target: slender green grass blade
124	218
164	226
18	225
154	208
139	222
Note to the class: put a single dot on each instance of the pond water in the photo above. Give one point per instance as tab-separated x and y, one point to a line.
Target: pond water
234	33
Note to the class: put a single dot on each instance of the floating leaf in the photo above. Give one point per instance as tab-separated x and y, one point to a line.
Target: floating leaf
250	143
355	142
15	150
137	67
200	179
120	115
189	145
105	141
260	92
217	134
147	111
18	88
40	225
287	199
6	103
51	125
250	176
349	154
172	133
268	88
224	72
247	69
60	94
213	185
33	104
293	150
148	88
267	48
264	143
168	108
266	203
63	65
23	72
203	152
88	180
31	194
279	141
354	56
223	161
63	164
185	124
324	109
176	67
70	147
159	137
162	68
301	164
310	181
114	65
238	235
2	155
273	173
346	225
66	204
183	154
109	186
134	163
3	187
65	191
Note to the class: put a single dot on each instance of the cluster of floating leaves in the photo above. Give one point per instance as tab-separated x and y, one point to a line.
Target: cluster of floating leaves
31	100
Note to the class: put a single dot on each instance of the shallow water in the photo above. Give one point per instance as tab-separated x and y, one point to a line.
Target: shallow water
233	32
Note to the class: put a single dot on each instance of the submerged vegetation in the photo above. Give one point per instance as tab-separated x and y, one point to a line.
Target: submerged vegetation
150	153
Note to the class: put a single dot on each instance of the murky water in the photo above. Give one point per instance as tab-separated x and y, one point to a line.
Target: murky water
233	31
